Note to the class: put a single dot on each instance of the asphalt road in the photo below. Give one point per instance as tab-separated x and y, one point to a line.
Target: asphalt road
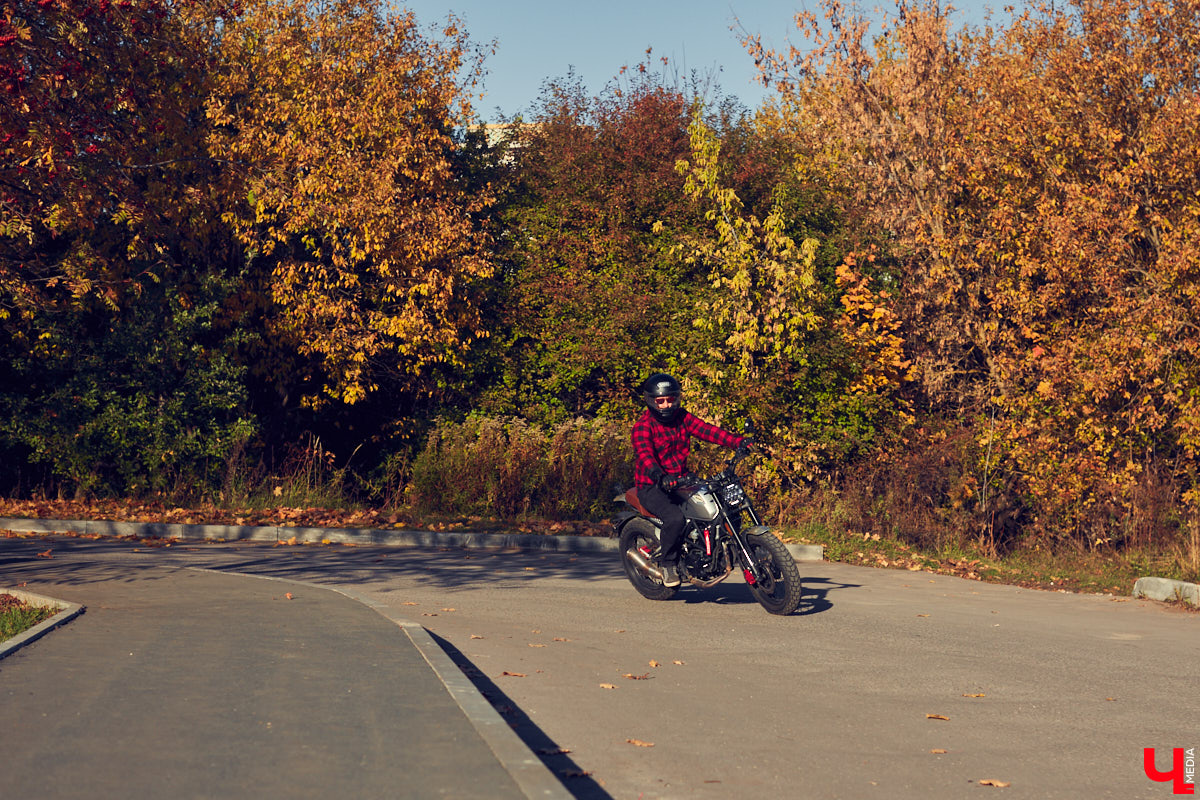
884	684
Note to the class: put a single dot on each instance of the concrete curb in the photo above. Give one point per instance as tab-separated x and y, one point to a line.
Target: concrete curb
1167	590
369	536
66	613
532	776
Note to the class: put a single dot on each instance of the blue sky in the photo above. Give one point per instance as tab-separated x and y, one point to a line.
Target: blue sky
542	39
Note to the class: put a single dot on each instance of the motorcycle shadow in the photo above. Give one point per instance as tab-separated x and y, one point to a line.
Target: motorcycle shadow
813	600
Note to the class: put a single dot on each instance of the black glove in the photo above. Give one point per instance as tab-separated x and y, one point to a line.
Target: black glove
669	483
744	448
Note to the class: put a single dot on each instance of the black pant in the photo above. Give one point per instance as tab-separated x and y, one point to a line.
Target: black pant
658	503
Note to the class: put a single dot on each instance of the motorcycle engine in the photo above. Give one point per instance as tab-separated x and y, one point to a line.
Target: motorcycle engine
699	562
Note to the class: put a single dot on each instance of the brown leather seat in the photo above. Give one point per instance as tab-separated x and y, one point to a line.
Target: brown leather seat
631	497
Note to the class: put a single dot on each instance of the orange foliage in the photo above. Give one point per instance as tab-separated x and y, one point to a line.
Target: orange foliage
1040	183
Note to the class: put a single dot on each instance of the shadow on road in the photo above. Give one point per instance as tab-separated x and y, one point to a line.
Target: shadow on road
574	778
70	560
80	561
814	600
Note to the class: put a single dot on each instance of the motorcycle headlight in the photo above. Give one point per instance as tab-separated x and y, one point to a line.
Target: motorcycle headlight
732	495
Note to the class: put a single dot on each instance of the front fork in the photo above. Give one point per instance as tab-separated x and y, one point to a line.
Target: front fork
750	568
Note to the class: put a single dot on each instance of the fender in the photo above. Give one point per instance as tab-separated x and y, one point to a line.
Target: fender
622	517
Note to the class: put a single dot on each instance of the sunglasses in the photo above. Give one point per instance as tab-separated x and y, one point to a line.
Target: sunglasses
668	400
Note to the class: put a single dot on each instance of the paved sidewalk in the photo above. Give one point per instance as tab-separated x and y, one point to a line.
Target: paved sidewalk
193	684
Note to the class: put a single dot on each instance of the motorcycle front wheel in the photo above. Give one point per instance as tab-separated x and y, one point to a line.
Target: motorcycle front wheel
639	535
778	587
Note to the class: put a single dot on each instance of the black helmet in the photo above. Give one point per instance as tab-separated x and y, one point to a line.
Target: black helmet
661	385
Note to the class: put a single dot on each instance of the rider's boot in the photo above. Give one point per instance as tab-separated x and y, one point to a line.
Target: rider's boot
670	573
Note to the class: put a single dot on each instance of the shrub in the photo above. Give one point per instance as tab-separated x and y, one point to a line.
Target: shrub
504	466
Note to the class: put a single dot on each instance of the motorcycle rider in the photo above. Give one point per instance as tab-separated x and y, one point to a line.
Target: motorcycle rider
661	438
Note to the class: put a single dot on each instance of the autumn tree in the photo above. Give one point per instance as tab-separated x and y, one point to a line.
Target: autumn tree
208	206
336	123
592	297
99	128
802	339
114	370
1038	183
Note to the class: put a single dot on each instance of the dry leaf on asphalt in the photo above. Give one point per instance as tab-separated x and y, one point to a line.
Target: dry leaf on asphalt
607	686
654	663
476	636
997	784
677	662
45	554
561	639
289	596
553	751
640	743
935	716
512	674
981	694
449	609
531	644
633	677
937	751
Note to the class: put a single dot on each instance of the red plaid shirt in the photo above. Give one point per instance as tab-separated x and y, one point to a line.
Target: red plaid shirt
665	447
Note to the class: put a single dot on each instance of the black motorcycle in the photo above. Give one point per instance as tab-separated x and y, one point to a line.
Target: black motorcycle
722	531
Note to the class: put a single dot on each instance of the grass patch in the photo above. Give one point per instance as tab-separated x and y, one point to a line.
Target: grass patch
17	616
1098	572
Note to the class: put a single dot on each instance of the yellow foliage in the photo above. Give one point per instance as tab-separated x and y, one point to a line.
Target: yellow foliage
338	119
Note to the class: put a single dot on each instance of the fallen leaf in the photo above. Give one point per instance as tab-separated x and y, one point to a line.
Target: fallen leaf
531	644
922	615
938	751
410	603
619	630
553	751
561	639
677	662
654	663
935	716
449	609
289	596
427	614
607	686
476	636
45	554
512	674
633	677
981	694
640	743
997	784
571	773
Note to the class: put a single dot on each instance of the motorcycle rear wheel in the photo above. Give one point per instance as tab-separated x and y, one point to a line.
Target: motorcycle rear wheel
637	534
778	588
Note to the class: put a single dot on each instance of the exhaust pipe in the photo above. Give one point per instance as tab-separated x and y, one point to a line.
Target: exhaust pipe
643	565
